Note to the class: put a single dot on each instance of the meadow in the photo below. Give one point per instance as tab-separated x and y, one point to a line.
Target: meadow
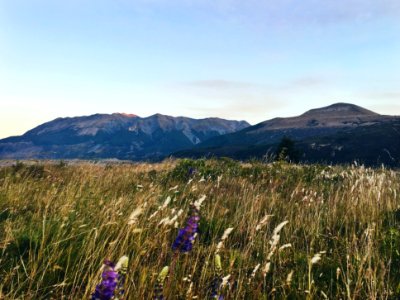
262	230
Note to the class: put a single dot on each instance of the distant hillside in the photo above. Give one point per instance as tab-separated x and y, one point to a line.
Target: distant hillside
119	136
339	133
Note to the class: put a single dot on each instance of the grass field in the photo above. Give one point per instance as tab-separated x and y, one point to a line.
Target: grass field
297	232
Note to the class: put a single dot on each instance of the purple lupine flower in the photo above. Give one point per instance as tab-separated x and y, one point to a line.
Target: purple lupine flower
192	172
184	240
215	287
105	290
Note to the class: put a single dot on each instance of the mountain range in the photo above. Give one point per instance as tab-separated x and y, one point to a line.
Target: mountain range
339	133
121	136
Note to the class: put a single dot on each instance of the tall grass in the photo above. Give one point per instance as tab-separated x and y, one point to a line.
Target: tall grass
340	237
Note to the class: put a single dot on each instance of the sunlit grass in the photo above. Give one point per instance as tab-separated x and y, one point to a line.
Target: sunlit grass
279	230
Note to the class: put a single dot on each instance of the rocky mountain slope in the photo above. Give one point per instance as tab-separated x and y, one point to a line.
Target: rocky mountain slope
119	136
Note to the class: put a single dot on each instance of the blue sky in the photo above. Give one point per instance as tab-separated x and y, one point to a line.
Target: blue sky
251	60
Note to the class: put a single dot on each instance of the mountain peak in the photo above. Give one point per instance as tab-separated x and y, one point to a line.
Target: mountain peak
339	109
126	115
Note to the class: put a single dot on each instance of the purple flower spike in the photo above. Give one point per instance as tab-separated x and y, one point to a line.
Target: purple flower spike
184	240
105	290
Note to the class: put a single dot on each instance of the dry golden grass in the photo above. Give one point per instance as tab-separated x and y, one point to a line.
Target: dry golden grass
341	239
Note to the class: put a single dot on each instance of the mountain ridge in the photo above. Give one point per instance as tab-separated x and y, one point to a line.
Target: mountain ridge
337	133
114	136
310	128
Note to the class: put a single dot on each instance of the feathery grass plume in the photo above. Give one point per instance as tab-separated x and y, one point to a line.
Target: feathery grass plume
159	287
166	202
121	267
283	247
263	221
167	221
253	274
289	278
217	280
275	239
227	232
316	258
186	236
173	189
279	227
134	215
225	280
106	289
199	202
266	269
338	271
219	178
161	207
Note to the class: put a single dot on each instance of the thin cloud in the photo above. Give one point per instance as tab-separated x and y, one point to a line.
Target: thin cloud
232	99
253	110
307	81
219	84
228	87
379	96
285	13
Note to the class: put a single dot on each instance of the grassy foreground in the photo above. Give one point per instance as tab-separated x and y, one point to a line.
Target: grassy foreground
342	239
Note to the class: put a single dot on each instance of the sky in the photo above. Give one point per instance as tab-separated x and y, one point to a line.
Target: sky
247	60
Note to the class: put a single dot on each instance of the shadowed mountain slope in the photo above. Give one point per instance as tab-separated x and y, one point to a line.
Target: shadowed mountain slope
339	133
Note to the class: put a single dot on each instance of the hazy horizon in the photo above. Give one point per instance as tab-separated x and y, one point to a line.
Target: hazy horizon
230	59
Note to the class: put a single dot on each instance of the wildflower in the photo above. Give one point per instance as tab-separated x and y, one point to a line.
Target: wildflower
105	290
192	172
159	287
186	236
